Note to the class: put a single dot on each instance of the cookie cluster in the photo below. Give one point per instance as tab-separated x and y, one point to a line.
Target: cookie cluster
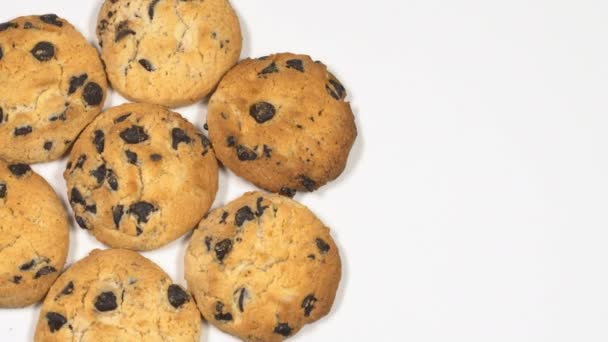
140	176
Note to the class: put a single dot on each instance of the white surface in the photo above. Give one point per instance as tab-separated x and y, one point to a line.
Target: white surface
474	204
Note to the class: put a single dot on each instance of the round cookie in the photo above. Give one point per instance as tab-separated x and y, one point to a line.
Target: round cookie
169	52
140	176
281	122
117	295
52	84
262	267
34	234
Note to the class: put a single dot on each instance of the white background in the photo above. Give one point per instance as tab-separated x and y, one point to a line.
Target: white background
474	203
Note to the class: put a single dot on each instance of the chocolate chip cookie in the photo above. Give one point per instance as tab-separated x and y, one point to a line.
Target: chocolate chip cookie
140	176
282	123
168	52
34	236
52	84
117	295
262	267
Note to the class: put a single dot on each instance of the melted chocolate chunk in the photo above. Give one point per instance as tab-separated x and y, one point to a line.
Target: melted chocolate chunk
245	153
322	245
122	118
308	183
131	157
296	64
6	26
44	271
156	157
146	65
81	222
2	190
112	181
51	19
242	215
55	321
43	51
77	82
80	161
262	111
28	265
282	329
19	169
222	249
272	68
92	94
68	289
177	296
117	213
308	304
122	30
179	136
142	210
151	8
287	192
208	240
100	173
23	130
99	141
106	301
134	135
48	145
260	208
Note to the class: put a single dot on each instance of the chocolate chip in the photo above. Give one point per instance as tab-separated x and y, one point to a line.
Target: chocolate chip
122	118
242	292
308	183
220	315
262	112
1	110
106	301
146	65
308	304
55	321
28	265
224	217
142	211
267	151
68	289
208	240
92	94
231	141
322	245
122	30
205	142
138	230
59	116
260	208
99	141
17	279
177	296
23	130
179	136
339	88
6	26
19	169
80	161
81	222
332	93
222	249
2	190
51	19
43	51
242	215
28	25
44	271
245	153
48	145
287	192
272	68
91	208
134	135
76	82
156	157
131	157
117	213
112	181
100	173
295	64
282	329
151	8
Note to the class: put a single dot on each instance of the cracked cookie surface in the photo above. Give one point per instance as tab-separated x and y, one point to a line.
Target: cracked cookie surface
52	84
117	295
262	267
33	236
282	123
140	176
169	52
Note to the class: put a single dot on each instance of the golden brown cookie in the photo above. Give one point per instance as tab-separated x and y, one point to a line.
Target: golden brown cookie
117	295
169	52
262	267
52	84
140	176
282	123
33	236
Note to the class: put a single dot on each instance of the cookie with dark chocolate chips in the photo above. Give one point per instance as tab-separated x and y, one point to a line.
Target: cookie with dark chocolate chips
34	236
123	287
288	267
147	175
171	53
48	94
282	123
